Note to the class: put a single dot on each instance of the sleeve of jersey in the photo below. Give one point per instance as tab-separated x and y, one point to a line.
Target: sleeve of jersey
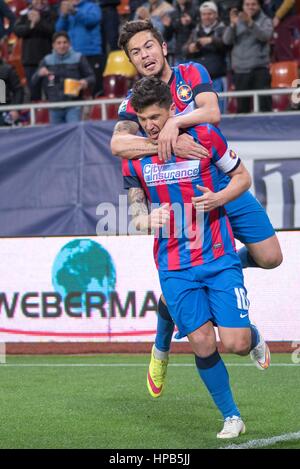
130	178
223	157
126	112
199	79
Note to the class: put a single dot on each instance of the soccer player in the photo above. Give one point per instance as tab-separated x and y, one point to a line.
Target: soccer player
200	273
196	103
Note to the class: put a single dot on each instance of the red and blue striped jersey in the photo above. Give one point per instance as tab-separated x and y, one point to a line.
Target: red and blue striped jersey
186	82
191	238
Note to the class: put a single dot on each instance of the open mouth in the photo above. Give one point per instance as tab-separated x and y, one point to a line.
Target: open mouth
149	65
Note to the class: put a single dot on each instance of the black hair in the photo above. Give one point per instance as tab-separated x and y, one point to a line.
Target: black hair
131	28
149	91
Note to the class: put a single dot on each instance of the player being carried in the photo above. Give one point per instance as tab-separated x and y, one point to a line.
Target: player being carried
200	273
196	103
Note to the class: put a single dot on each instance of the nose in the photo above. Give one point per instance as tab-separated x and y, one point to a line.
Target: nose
144	53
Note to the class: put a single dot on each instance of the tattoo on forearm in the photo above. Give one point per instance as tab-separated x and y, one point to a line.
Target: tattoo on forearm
126	126
138	202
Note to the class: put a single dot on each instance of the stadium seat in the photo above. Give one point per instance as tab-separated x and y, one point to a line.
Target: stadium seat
118	64
284	73
115	86
111	112
123	8
42	116
280	102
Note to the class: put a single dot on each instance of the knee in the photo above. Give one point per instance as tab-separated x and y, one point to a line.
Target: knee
240	346
203	344
272	260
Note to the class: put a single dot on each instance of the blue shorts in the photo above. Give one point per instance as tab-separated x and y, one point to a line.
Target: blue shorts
209	292
249	220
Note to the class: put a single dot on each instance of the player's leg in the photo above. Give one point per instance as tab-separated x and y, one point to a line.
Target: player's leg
251	225
265	254
230	307
157	371
214	375
188	304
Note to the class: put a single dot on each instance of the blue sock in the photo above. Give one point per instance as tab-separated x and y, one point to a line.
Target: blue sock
214	374
165	328
254	336
246	258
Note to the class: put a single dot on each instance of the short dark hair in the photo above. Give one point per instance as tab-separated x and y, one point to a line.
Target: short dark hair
131	28
149	91
59	34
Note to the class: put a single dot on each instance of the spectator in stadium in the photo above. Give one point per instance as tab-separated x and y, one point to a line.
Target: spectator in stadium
14	93
81	20
179	25
206	46
249	34
35	26
224	7
6	13
154	10
286	25
62	64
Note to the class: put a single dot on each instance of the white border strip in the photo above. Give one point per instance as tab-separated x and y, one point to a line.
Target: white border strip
265	441
4	365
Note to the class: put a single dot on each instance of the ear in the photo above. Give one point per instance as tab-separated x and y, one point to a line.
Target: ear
173	109
164	49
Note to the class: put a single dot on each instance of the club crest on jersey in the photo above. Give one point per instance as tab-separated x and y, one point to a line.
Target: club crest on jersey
184	93
123	106
232	154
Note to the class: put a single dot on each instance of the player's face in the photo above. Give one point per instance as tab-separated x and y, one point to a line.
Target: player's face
153	118
147	55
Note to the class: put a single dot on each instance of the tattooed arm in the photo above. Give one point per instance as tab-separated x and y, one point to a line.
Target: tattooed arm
126	144
144	221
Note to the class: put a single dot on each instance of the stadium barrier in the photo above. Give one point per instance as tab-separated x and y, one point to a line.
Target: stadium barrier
90	290
293	93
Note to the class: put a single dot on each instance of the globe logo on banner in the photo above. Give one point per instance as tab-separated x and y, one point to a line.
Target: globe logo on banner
82	266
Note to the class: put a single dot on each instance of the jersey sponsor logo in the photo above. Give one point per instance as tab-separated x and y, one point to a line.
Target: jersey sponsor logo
123	106
184	93
156	174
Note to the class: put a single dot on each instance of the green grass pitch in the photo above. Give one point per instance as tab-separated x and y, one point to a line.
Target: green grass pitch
103	403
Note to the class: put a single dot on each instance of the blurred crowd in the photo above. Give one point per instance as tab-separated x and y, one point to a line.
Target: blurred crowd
53	50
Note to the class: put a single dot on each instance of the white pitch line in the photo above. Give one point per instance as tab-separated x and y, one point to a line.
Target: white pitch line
265	441
126	364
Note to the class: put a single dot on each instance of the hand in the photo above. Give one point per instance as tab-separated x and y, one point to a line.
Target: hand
83	84
43	72
204	41
208	201
234	16
193	47
166	20
34	17
14	115
157	218
246	18
142	13
167	139
187	148
276	21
